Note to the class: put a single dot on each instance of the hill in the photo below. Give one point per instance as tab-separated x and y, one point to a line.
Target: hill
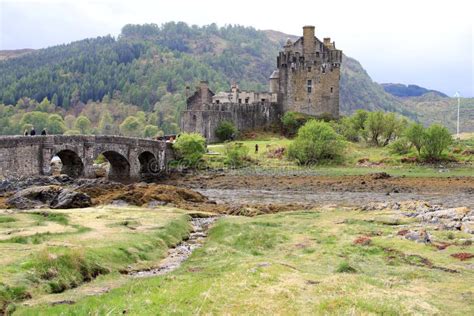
149	66
411	90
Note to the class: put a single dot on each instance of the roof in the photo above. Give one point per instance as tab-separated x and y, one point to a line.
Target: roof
275	74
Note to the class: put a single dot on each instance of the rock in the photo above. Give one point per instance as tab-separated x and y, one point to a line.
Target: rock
418	236
468	227
71	199
380	175
34	197
48	196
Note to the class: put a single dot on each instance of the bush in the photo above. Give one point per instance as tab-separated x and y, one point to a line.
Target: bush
436	139
316	142
292	121
235	155
226	130
190	148
381	128
401	146
346	128
415	133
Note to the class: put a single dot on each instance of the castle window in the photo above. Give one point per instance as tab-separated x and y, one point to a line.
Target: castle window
317	54
309	69
323	69
309	85
194	117
217	101
240	101
246	100
332	89
263	100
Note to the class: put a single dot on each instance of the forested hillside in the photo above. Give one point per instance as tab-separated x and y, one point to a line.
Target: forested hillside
147	69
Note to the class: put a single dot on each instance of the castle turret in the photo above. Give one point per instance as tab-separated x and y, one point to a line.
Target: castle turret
275	82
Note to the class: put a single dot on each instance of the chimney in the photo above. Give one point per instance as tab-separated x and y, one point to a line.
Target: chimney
309	44
204	91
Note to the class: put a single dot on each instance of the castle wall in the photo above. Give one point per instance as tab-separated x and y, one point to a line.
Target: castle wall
244	117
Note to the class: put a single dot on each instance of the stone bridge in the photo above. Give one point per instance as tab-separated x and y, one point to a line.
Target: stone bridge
129	158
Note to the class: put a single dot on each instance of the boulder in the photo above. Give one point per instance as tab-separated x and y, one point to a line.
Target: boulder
48	196
34	197
418	236
468	227
71	199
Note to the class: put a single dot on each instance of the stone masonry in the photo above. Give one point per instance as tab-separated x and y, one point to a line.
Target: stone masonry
129	158
306	81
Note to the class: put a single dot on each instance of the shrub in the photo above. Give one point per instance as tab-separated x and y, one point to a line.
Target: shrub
436	139
401	146
347	128
292	121
381	128
190	148
235	154
316	141
226	130
414	133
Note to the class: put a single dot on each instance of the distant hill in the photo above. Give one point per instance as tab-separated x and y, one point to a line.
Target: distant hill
411	90
149	66
8	54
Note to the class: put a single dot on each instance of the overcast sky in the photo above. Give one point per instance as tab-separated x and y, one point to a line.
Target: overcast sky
429	43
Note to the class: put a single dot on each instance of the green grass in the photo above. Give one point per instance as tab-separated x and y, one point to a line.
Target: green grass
67	253
381	160
298	263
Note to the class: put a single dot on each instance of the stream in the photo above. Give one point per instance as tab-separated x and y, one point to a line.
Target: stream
177	255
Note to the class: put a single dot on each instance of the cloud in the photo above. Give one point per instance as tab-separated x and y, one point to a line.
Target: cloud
422	42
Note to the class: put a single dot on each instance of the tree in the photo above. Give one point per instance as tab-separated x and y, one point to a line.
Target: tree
151	131
190	148
38	120
374	126
436	139
56	124
316	142
291	121
131	127
106	124
415	135
225	130
83	125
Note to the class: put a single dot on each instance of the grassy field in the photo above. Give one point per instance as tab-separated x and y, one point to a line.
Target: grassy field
311	262
379	159
51	251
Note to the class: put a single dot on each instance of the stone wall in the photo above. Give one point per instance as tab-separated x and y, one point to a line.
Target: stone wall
129	157
244	117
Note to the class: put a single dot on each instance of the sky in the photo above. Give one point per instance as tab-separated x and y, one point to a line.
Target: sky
428	43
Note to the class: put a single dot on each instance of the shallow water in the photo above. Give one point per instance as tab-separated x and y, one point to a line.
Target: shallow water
177	255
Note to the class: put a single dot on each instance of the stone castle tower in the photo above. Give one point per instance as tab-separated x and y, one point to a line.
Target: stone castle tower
306	81
307	78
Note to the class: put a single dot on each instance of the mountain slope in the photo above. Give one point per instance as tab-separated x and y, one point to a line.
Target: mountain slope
411	90
149	66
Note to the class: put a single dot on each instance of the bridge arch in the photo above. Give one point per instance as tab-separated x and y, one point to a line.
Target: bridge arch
72	164
119	165
148	163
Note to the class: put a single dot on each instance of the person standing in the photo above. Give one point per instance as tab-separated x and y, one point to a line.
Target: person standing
256	148
32	132
43	132
25	133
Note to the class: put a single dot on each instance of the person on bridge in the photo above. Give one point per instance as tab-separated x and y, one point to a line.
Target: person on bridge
43	132
32	132
26	132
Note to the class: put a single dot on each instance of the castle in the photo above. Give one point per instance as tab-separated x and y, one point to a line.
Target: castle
306	81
